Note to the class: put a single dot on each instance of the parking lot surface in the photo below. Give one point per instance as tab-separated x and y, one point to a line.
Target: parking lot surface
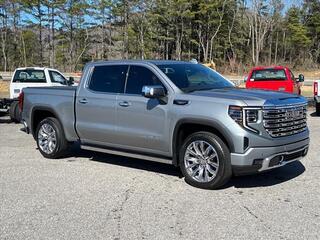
98	196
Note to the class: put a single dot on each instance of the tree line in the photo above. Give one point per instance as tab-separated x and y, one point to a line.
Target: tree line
235	34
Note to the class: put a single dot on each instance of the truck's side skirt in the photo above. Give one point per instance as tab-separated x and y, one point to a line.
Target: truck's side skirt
127	154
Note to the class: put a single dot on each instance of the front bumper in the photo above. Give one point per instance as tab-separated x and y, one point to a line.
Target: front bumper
5	105
264	158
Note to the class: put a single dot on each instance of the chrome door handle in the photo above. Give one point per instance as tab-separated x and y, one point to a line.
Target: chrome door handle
124	104
83	101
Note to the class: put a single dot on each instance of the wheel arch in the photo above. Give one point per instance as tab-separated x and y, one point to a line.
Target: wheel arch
40	113
185	127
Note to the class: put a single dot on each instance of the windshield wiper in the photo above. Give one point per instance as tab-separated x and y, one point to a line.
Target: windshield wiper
197	89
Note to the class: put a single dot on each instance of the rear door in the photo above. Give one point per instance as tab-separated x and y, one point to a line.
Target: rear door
142	123
96	104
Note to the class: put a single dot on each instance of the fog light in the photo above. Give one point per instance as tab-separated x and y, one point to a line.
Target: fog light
276	161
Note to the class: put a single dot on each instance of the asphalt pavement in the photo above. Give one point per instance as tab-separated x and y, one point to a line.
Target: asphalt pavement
98	196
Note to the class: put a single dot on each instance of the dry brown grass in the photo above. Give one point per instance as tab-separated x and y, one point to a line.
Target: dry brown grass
310	74
307	91
4	86
4	89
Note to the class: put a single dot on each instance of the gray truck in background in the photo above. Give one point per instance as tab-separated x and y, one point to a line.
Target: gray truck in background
172	112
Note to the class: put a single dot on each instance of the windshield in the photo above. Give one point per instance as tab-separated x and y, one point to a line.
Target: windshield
194	77
29	76
268	75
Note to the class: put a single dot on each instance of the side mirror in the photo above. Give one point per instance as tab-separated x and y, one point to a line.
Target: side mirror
153	92
70	82
301	78
245	78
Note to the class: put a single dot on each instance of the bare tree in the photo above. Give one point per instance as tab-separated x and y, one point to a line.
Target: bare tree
260	23
4	33
208	29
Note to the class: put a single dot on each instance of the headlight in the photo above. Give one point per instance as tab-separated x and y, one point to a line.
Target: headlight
245	116
252	115
236	113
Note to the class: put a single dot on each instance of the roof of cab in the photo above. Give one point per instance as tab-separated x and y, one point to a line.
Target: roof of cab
268	67
156	62
31	68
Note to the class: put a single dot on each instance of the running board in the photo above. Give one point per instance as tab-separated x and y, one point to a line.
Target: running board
126	154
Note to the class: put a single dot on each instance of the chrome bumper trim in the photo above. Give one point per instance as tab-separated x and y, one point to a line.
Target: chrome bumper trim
266	161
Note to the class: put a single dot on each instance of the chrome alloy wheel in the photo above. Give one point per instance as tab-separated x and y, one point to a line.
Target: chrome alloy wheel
201	161
47	138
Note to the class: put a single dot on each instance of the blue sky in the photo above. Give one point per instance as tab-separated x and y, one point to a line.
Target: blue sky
289	3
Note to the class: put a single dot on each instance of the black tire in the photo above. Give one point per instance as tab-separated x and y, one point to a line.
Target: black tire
224	171
14	112
318	109
17	114
61	142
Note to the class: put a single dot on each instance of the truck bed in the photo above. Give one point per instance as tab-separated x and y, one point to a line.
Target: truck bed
60	100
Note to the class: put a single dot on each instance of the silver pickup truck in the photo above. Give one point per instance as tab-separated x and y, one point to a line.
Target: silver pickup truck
173	112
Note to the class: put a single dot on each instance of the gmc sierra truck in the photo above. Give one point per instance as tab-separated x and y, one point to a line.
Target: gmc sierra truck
172	112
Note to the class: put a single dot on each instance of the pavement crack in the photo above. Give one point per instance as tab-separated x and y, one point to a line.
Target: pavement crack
250	212
119	212
264	224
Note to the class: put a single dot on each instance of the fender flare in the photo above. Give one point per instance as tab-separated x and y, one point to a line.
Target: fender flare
206	123
41	108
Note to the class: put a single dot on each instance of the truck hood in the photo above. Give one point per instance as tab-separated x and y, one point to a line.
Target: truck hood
253	97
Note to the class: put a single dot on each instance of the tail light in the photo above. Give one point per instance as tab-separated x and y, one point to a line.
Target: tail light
21	99
315	90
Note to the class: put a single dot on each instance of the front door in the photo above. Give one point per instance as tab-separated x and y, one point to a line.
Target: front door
295	83
96	104
142	123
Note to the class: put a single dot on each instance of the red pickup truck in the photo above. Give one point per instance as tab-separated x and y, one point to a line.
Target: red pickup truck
276	78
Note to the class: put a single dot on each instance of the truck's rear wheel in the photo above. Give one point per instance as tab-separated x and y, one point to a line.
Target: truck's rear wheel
14	112
205	161
318	109
50	138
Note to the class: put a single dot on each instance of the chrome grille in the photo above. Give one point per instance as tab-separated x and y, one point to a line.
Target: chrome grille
286	121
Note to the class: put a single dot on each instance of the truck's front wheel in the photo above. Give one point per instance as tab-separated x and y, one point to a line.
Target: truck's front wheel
50	138
205	160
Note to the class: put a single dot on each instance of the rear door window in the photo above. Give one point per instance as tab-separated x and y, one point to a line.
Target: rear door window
29	76
108	78
269	75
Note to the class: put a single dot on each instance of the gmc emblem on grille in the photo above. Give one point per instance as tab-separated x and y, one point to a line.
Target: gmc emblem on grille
292	114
